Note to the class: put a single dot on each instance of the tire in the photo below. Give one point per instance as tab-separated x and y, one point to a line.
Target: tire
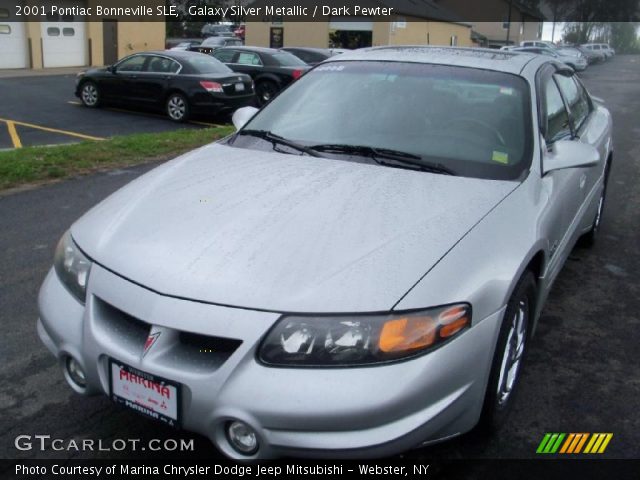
90	95
509	355
177	107
265	91
588	240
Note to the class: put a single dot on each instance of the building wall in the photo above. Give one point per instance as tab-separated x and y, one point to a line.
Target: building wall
316	34
495	9
132	37
429	33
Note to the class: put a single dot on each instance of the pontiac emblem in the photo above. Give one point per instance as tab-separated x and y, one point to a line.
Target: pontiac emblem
151	339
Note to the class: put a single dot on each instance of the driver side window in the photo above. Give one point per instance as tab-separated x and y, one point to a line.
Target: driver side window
133	64
557	118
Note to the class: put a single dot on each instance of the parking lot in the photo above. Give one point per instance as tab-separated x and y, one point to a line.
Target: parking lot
583	369
43	110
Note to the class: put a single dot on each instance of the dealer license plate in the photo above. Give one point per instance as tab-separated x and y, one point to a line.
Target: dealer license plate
150	395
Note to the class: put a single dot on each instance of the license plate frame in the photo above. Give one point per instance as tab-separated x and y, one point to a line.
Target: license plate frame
145	393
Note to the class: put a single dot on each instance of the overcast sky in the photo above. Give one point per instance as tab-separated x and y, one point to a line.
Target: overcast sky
547	28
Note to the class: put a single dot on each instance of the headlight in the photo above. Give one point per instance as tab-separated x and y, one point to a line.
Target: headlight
72	267
334	341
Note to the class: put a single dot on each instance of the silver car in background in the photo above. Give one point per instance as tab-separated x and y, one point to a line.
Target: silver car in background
355	272
573	59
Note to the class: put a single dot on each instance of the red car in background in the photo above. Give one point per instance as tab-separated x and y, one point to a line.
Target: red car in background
240	31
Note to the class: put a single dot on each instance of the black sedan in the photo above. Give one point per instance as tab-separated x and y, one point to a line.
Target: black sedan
310	56
179	82
271	69
211	44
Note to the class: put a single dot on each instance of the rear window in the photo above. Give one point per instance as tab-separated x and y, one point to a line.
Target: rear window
207	64
286	59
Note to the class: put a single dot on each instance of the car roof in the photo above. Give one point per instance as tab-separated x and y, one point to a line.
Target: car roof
483	58
252	49
307	49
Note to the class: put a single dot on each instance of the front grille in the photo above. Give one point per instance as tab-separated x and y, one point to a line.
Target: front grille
123	329
201	353
189	351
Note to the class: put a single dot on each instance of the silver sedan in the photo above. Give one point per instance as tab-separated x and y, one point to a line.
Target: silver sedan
356	271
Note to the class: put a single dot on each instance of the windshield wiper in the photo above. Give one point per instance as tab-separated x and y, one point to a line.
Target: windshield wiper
278	140
399	159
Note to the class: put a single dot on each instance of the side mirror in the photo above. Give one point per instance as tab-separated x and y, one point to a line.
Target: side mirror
111	69
569	154
242	116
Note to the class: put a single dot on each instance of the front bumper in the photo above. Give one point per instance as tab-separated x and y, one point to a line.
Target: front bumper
350	412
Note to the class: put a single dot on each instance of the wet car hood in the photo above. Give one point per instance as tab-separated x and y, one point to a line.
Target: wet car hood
283	232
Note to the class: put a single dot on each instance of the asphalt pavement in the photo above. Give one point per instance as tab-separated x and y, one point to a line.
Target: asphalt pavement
43	110
582	373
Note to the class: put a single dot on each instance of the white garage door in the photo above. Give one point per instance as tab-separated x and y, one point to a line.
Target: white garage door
13	39
64	41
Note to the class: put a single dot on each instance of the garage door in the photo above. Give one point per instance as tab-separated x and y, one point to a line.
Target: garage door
64	40
13	38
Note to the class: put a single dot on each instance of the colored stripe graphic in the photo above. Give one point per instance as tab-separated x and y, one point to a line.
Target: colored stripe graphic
573	443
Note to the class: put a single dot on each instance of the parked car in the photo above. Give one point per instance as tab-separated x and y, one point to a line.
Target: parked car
179	82
240	31
310	56
604	48
271	69
538	43
358	270
216	30
211	44
181	43
592	56
581	62
575	62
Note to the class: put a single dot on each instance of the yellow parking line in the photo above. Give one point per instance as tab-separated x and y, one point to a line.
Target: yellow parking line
15	138
52	130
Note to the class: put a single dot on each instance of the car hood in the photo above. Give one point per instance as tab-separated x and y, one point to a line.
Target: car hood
283	232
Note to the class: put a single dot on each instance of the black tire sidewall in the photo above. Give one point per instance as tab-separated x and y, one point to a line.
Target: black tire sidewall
495	416
264	85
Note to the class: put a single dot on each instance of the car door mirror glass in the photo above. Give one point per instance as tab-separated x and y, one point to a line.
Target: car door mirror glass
242	116
569	154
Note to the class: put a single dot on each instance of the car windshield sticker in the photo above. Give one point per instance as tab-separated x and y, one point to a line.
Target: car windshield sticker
506	91
500	157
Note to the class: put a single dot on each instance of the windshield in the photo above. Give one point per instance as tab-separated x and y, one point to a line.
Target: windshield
472	122
207	64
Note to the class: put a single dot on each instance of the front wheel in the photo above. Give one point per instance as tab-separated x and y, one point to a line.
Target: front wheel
90	95
509	354
178	107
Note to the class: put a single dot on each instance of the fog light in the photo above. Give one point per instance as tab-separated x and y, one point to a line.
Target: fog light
76	373
242	437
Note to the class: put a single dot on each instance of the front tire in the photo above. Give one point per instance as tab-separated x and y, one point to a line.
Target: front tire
265	91
509	355
90	95
177	107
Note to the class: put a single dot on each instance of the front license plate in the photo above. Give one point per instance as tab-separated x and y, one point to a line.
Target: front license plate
150	395
239	87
